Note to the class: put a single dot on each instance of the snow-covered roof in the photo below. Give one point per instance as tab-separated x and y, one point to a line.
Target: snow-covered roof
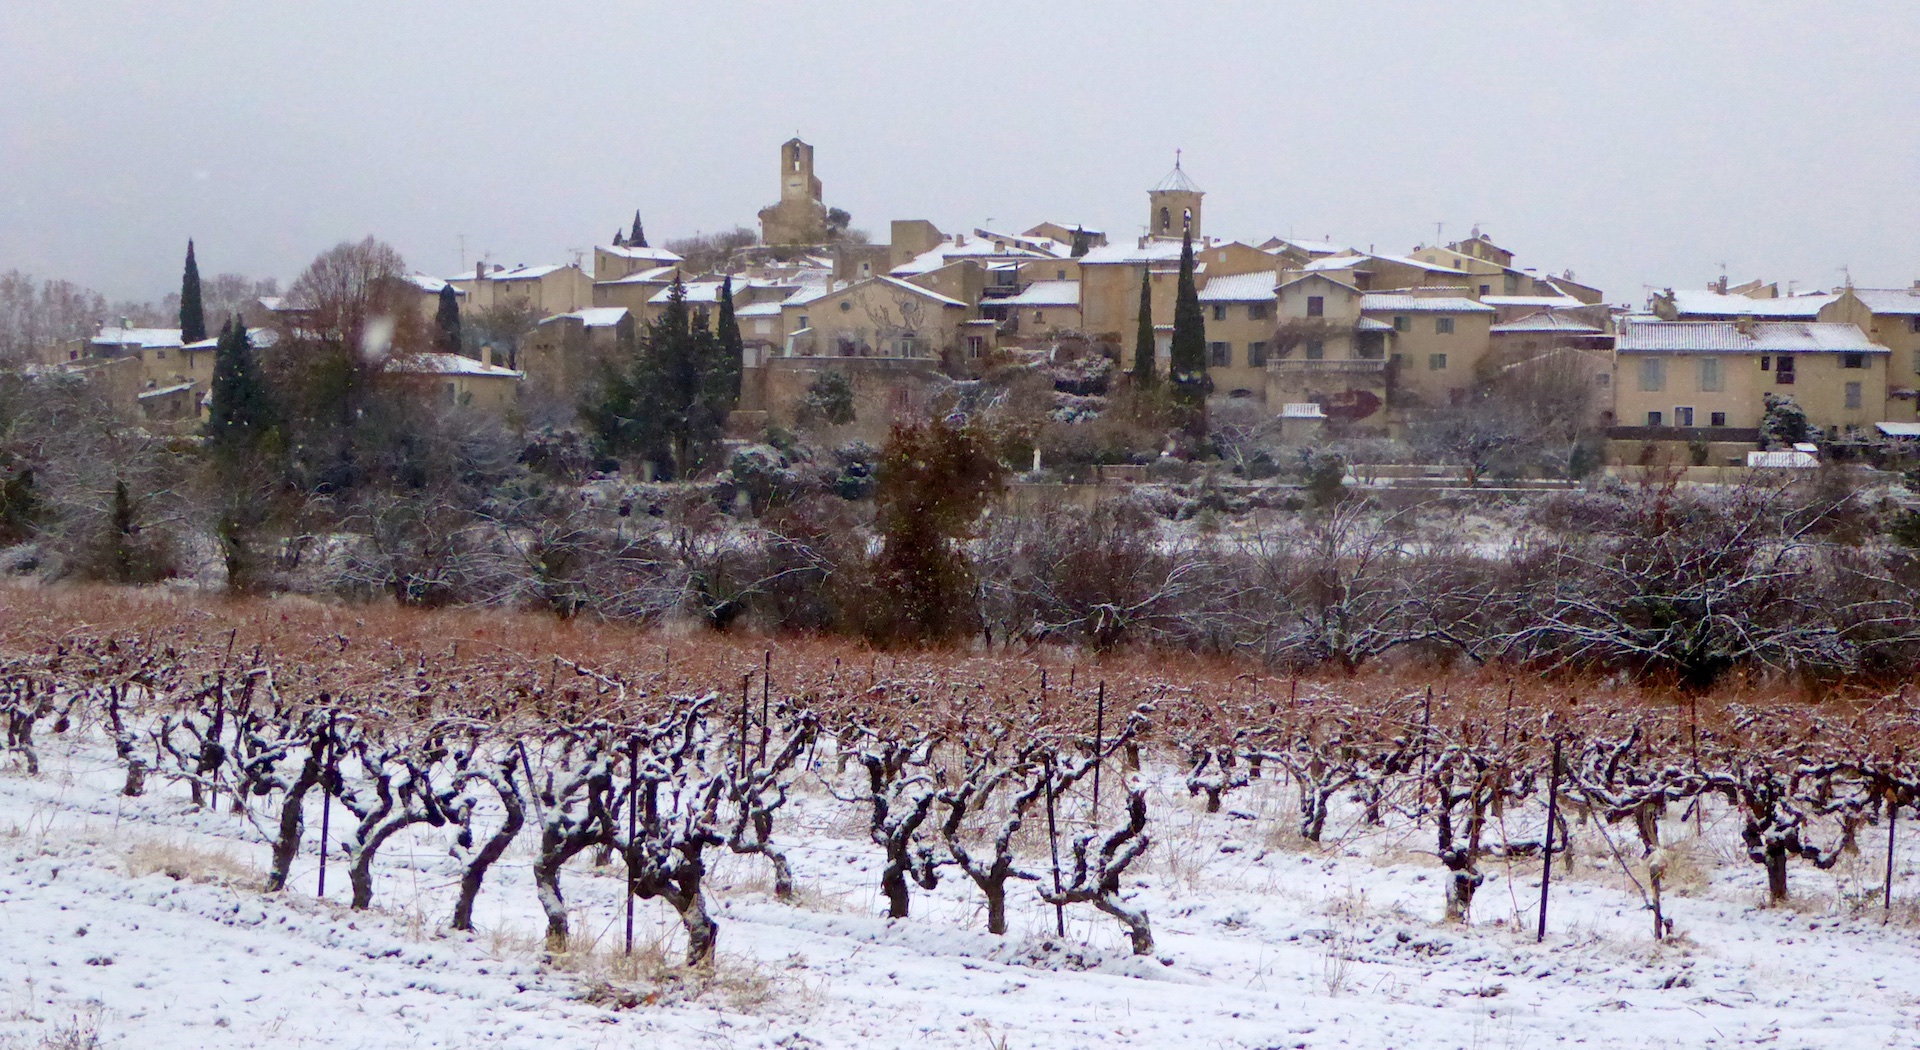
1389	302
144	338
1045	293
1639	334
1240	288
1368	324
429	283
709	291
1547	323
593	316
526	273
653	276
759	310
1793	458
1302	410
209	343
1542	302
1176	181
660	255
1309	247
1901	301
165	390
449	365
1151	252
1702	303
1319	277
976	247
1900	430
910	287
1335	262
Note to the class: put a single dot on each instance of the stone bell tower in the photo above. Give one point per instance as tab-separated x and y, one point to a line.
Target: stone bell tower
1174	205
799	218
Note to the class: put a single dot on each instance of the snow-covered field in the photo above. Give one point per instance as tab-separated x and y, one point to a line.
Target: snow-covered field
141	920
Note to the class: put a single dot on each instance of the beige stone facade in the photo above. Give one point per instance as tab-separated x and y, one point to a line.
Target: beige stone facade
546	290
1714	374
878	317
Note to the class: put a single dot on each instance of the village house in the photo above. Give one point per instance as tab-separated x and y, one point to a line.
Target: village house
1706	381
544	290
1327	353
453	381
563	353
1438	344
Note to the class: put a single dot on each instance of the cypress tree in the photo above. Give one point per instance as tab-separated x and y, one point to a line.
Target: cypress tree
120	539
448	319
667	403
1143	340
1188	364
238	414
731	345
639	237
619	238
193	317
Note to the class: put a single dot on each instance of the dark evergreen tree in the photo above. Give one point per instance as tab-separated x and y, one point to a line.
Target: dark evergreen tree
639	237
619	238
728	332
1143	375
666	404
1187	365
122	528
238	413
193	317
448	319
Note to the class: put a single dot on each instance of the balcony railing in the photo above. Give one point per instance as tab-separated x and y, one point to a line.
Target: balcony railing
1291	364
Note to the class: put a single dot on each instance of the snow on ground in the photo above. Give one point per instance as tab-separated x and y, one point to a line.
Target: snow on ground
141	919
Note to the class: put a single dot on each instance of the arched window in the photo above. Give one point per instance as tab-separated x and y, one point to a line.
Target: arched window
1166	220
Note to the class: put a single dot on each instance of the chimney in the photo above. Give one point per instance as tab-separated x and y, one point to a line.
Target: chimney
480	270
1744	324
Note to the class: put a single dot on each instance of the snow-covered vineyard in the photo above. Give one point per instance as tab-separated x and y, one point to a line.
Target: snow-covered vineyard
903	857
143	919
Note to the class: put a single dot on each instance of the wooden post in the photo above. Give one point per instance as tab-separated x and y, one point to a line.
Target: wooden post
326	804
1893	818
745	681
1099	726
1053	843
1426	726
1546	851
633	806
766	705
1693	731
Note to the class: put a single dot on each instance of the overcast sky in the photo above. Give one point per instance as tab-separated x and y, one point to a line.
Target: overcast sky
1634	143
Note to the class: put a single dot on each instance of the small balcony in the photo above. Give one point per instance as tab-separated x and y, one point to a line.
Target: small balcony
1295	364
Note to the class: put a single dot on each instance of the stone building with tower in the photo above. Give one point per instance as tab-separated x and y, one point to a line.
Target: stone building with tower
799	217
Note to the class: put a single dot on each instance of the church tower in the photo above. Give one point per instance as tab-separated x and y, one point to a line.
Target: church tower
797	184
1174	205
799	218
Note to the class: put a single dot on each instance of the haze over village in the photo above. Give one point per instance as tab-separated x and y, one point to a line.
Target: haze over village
807	526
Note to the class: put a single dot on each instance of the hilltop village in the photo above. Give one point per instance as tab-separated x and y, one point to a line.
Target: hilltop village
1312	339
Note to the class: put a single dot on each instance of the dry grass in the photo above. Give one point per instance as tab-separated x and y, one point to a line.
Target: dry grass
654	975
186	863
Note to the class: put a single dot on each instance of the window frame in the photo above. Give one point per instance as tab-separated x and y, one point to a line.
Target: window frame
1316	306
1652	375
1443	326
1437	362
